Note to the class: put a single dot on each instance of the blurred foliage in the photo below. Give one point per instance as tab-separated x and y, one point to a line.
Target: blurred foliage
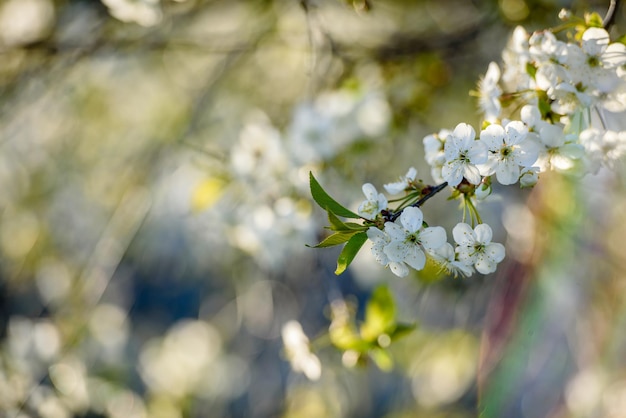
155	209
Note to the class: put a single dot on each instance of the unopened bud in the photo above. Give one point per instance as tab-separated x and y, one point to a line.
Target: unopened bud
529	177
482	191
565	14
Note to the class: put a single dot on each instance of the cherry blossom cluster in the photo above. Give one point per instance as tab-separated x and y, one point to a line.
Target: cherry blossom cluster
571	93
407	242
551	107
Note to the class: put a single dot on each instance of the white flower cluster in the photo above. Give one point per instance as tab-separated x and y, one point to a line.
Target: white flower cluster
565	95
568	92
406	242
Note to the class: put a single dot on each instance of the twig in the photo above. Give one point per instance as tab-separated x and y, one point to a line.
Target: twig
433	191
610	14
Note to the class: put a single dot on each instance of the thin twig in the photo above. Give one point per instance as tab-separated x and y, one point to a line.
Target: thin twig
431	193
610	14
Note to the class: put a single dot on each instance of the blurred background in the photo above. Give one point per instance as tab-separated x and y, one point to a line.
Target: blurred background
155	211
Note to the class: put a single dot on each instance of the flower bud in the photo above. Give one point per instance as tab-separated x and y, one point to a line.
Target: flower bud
565	14
529	177
482	191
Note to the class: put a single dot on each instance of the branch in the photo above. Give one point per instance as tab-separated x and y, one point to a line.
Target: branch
433	191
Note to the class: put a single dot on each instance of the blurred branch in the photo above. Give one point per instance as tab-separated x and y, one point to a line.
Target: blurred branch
406	45
609	19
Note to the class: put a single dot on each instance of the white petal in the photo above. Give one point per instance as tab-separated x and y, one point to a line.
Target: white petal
376	235
416	258
483	233
452	172
472	174
484	265
396	251
464	132
463	234
369	191
552	135
477	152
395	231
530	115
516	132
527	153
399	269
466	254
412	219
493	136
507	172
495	251
595	41
433	237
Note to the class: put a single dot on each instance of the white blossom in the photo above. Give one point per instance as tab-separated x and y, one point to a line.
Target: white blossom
603	148
404	183
374	202
446	258
509	149
463	152
434	153
474	247
409	239
298	351
489	93
529	177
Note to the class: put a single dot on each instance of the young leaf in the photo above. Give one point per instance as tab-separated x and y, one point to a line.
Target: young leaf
326	202
380	314
335	239
382	358
401	330
350	250
337	224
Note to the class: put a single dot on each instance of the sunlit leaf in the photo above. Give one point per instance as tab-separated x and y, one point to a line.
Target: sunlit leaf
335	239
350	251
326	202
380	314
401	330
337	224
382	358
206	193
345	337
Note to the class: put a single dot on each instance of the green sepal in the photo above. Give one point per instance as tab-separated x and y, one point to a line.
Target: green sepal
349	251
326	202
593	20
531	70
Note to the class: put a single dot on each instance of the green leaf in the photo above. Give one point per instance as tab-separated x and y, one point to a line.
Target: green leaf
350	250
326	202
337	224
380	314
335	239
382	358
344	337
401	330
